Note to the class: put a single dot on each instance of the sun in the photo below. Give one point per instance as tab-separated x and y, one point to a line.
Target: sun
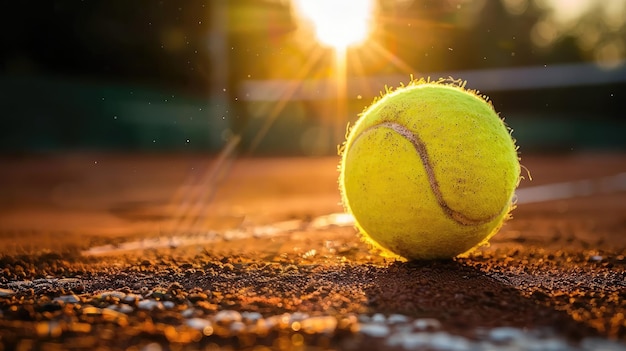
338	23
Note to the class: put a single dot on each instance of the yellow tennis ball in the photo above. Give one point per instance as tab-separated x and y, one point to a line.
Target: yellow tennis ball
429	171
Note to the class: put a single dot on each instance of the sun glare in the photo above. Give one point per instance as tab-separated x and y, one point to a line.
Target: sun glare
338	23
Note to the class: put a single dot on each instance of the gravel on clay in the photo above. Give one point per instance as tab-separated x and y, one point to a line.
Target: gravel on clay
268	269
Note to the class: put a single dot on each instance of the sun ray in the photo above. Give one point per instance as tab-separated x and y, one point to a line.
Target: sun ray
358	69
357	66
286	96
393	59
193	196
342	91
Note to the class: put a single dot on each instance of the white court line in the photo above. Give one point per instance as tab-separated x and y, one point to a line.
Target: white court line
573	189
527	195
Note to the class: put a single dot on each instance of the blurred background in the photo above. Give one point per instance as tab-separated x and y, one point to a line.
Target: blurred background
284	77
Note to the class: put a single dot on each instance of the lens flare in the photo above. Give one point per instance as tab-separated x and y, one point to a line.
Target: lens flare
338	23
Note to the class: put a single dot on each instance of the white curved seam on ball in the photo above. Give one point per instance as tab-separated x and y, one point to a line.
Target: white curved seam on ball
420	148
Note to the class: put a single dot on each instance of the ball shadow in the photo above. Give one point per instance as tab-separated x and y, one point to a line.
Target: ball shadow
463	298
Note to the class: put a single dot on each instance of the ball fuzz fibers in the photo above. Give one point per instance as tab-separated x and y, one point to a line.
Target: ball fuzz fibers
429	171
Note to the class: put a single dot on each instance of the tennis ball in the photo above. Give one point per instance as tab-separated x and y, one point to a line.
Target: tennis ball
429	170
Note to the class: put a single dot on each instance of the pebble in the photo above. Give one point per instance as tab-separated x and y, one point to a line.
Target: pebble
374	330
132	298
115	294
188	313
319	325
112	315
602	344
505	334
397	318
149	304
91	310
251	316
277	321
596	258
237	327
427	324
445	341
6	292
531	344
408	341
68	299
378	318
122	308
227	317
298	316
198	323
363	318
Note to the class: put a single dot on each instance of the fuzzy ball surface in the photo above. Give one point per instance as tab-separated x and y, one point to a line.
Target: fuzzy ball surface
429	171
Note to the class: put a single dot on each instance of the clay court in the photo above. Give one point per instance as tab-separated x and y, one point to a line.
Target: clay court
169	175
120	252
